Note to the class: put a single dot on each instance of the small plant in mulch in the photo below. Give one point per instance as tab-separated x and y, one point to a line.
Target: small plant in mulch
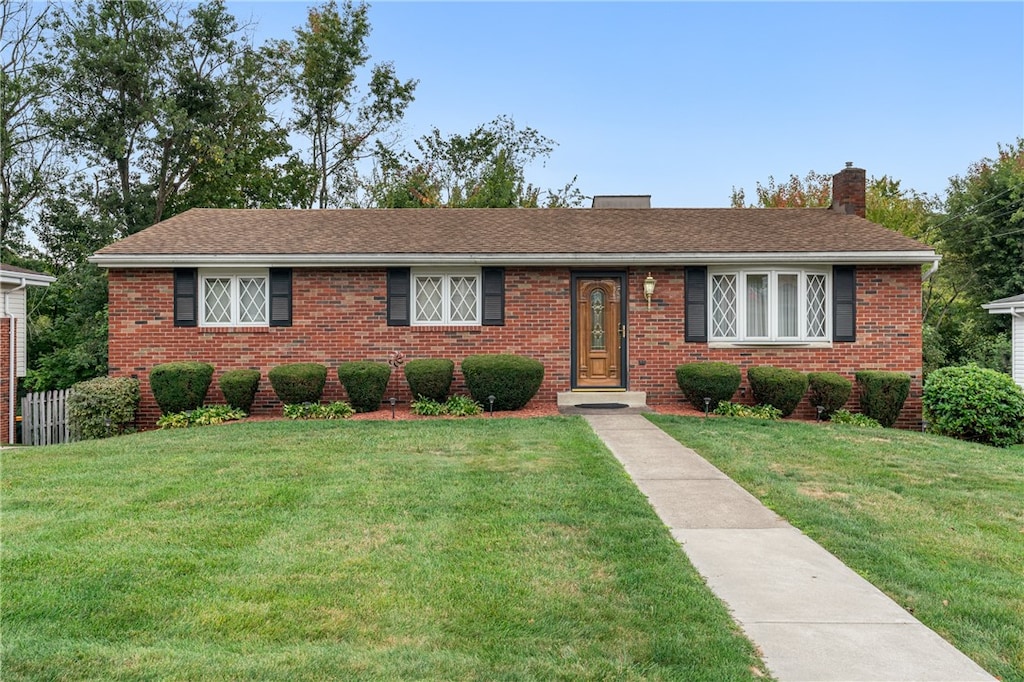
727	409
854	419
335	410
201	416
454	406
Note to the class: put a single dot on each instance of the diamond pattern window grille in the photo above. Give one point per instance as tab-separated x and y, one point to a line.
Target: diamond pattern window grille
816	298
252	300
429	299
723	300
217	301
463	299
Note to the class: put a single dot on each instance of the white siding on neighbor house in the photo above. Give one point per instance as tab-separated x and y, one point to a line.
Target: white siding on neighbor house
1018	350
14	302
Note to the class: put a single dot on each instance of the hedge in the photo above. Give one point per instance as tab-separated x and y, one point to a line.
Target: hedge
365	382
882	394
239	387
715	380
779	387
512	379
298	382
430	378
102	407
829	390
180	386
975	404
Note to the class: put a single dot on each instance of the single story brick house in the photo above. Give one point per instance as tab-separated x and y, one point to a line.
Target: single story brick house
811	289
1013	305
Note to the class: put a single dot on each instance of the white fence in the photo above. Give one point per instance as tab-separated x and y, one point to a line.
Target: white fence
44	418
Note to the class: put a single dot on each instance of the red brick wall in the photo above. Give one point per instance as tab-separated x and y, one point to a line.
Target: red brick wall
339	315
5	379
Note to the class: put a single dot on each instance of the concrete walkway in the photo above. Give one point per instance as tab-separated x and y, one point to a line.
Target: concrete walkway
813	618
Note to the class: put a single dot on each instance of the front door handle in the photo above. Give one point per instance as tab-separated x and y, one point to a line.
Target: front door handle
622	330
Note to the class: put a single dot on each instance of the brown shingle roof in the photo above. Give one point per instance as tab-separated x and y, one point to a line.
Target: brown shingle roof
522	232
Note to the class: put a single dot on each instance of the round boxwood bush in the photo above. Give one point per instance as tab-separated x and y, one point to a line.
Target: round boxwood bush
298	382
239	387
512	379
365	383
829	390
715	380
180	386
882	394
976	404
779	387
430	378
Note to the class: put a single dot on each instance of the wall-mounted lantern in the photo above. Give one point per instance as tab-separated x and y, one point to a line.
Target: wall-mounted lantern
649	289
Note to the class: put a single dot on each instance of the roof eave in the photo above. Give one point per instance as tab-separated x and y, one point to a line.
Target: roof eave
33	280
526	259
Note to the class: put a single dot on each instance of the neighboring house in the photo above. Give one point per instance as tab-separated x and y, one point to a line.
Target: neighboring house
812	289
14	283
1014	305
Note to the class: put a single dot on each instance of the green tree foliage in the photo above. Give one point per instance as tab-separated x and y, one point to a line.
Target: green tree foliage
484	169
342	124
27	163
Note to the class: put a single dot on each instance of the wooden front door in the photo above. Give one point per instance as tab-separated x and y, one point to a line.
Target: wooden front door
600	332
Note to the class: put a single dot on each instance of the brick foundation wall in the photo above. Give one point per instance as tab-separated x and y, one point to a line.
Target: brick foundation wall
5	380
339	315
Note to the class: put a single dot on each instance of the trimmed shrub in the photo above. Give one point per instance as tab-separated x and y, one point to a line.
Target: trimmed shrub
779	387
239	387
430	378
715	380
365	383
882	394
512	379
299	382
976	404
830	390
102	407
180	386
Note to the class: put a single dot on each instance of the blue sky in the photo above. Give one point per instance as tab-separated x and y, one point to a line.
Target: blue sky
684	100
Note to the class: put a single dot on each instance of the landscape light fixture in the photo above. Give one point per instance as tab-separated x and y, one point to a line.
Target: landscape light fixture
392	400
649	289
821	411
490	400
707	406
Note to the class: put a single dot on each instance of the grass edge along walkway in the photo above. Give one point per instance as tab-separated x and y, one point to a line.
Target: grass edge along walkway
477	550
935	523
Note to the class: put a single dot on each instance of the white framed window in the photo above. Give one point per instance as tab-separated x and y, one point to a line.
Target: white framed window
449	297
233	298
782	305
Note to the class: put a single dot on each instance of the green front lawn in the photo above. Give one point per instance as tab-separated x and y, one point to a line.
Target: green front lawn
936	523
483	550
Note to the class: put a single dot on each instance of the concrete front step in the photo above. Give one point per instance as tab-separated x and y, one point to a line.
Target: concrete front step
602	402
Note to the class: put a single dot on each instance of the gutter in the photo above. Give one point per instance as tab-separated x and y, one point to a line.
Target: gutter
13	391
257	260
932	270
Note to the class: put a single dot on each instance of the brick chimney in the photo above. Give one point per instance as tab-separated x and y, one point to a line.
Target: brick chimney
849	190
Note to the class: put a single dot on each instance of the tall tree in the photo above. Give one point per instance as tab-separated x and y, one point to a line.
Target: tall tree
812	191
484	169
343	125
27	152
153	97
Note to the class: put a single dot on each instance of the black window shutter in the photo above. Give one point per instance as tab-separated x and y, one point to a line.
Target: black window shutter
844	303
186	297
398	297
494	297
696	307
280	297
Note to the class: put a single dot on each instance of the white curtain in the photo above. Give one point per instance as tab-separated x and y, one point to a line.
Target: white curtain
757	305
789	305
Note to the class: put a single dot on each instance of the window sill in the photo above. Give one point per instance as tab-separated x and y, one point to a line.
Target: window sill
770	344
234	330
446	327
